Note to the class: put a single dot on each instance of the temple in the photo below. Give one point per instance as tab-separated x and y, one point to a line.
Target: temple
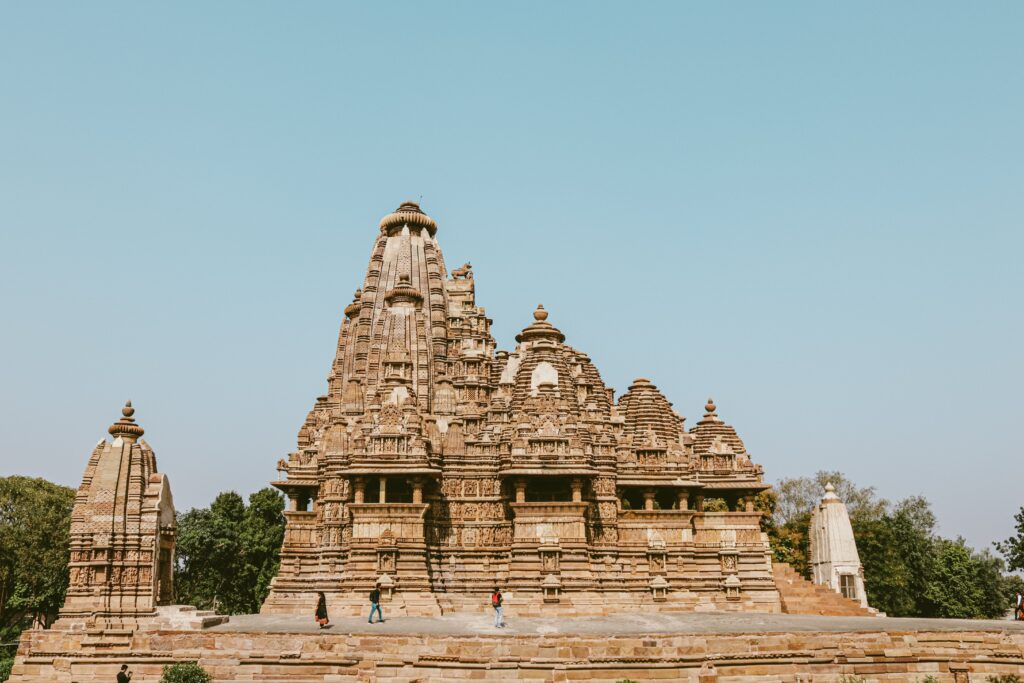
440	467
122	534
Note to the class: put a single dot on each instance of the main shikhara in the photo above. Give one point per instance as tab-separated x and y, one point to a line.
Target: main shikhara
440	467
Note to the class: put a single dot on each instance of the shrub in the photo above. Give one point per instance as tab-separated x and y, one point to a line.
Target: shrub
928	679
1004	678
185	672
5	667
849	678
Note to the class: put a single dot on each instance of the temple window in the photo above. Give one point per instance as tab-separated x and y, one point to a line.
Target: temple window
715	505
666	499
632	498
549	490
399	490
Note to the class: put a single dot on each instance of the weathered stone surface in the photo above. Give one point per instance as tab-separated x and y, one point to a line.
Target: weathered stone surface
680	647
453	467
122	534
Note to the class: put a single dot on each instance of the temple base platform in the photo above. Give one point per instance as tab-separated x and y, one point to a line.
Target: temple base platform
641	646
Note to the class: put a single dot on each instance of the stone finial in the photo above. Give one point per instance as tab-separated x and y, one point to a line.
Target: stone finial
408	213
126	427
540	328
709	408
830	492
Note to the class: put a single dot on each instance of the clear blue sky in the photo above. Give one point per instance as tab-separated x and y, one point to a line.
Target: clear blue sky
813	212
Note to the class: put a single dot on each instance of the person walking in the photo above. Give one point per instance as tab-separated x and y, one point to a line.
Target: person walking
375	603
1018	607
499	616
321	611
124	675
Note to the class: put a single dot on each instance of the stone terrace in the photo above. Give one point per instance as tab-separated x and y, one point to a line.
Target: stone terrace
704	648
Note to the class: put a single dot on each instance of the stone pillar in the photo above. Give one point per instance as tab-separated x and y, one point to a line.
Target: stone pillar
699	504
383	490
749	503
684	500
520	490
649	499
577	491
360	487
417	490
293	502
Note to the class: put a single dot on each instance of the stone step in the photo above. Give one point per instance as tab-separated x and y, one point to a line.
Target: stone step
800	596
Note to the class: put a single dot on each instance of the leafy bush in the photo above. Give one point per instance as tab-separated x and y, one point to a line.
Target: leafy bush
185	672
849	678
5	667
1004	678
928	679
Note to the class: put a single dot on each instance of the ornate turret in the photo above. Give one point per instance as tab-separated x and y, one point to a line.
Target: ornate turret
122	534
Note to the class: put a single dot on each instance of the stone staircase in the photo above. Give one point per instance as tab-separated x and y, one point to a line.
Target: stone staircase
800	596
184	618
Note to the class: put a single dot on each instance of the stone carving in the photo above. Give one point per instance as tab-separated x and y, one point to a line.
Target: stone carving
474	456
109	583
465	272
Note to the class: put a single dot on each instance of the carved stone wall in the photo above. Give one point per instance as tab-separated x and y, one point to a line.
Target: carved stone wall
502	455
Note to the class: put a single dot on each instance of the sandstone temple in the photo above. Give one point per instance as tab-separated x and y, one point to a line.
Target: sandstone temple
440	466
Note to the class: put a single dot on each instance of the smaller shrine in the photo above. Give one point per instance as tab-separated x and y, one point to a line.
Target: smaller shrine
834	559
122	532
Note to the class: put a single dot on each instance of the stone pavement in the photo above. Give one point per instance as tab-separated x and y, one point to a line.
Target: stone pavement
475	624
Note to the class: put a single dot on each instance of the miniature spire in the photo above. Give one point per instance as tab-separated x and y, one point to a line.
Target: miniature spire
353	308
126	427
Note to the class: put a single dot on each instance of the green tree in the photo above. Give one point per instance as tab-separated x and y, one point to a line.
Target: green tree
1013	547
953	590
228	553
791	504
797	497
35	520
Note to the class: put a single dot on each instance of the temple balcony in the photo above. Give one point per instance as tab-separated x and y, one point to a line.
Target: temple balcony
739	529
642	527
401	521
536	522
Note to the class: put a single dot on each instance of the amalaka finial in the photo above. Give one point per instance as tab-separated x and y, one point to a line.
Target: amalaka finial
829	488
710	408
126	427
540	313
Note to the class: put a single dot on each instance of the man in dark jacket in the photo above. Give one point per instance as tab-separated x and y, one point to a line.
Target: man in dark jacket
375	603
124	675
